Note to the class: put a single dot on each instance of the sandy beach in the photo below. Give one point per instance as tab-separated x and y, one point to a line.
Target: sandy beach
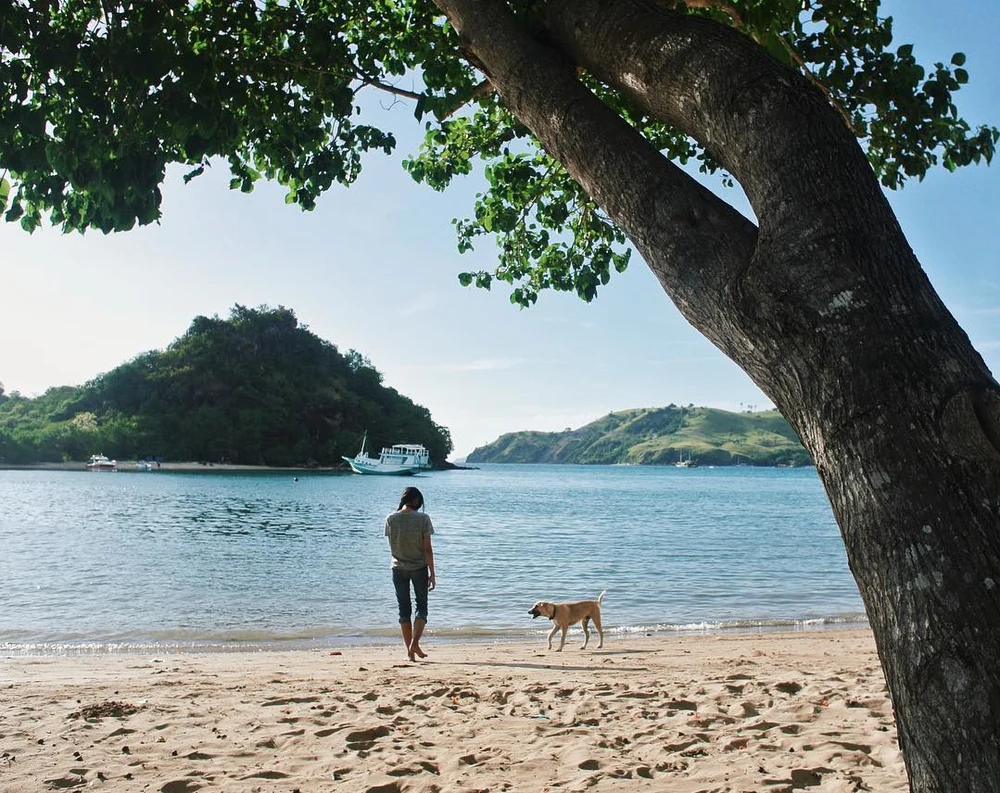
740	712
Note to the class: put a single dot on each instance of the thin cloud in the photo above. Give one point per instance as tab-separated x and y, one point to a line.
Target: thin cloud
422	304
681	361
484	365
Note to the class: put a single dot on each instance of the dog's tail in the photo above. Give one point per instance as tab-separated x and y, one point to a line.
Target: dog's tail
600	598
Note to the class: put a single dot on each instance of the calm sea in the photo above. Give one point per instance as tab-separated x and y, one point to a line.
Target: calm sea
130	560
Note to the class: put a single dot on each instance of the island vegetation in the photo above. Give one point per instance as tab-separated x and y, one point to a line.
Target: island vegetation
657	436
257	388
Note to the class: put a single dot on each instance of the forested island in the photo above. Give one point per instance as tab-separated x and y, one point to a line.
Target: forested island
657	436
257	388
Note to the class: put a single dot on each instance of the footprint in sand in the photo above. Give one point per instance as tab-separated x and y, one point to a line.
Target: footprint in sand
180	786
362	740
437	692
415	769
66	781
679	747
390	787
854	747
288	701
808	777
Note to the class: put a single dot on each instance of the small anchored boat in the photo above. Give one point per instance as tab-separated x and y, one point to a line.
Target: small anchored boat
98	462
401	459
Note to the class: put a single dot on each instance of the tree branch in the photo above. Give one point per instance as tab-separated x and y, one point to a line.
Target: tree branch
731	11
694	240
719	5
759	119
483	89
389	89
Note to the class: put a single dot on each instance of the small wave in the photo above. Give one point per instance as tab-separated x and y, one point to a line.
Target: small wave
748	625
322	638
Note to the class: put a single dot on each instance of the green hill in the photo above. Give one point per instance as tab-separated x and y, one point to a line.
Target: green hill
254	389
657	436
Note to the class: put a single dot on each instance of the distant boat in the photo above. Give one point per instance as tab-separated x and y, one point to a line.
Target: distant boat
98	462
688	463
143	465
401	459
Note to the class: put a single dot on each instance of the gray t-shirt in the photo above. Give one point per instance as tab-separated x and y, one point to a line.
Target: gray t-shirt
406	532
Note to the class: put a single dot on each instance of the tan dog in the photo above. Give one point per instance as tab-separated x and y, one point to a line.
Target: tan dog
565	614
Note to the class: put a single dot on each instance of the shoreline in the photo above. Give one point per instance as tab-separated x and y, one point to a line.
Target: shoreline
129	466
736	712
388	636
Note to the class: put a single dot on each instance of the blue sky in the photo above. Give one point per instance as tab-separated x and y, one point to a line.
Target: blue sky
374	268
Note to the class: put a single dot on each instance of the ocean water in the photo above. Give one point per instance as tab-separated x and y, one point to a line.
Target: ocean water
129	561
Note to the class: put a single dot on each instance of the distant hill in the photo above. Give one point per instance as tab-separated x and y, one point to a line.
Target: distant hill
657	436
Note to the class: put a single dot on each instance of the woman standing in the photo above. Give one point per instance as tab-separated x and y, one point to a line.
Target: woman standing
409	532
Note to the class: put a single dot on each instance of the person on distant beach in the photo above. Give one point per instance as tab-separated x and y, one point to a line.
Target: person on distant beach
409	532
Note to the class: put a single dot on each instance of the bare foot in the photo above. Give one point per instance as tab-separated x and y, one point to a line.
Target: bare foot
415	650
412	657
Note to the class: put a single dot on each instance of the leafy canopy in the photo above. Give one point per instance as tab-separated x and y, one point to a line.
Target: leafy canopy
98	98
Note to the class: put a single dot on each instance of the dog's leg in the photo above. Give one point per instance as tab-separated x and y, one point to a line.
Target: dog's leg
562	643
600	630
586	633
555	627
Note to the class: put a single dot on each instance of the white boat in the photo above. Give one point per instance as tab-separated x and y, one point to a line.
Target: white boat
143	465
98	462
402	459
688	463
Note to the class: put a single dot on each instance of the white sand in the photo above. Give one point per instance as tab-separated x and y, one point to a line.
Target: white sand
739	713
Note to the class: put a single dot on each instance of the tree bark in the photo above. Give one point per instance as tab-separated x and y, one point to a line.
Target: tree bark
824	305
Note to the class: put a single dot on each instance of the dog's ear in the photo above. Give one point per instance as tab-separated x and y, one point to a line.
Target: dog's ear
549	609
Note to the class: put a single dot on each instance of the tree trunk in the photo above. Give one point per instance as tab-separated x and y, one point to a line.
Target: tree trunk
824	305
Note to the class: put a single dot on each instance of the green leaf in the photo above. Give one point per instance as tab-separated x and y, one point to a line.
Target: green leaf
4	193
958	59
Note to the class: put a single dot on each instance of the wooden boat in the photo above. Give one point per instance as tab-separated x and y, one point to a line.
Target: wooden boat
401	459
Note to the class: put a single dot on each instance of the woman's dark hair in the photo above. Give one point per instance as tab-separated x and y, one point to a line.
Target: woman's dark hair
412	497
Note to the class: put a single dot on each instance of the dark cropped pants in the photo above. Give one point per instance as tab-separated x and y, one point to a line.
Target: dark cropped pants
401	580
